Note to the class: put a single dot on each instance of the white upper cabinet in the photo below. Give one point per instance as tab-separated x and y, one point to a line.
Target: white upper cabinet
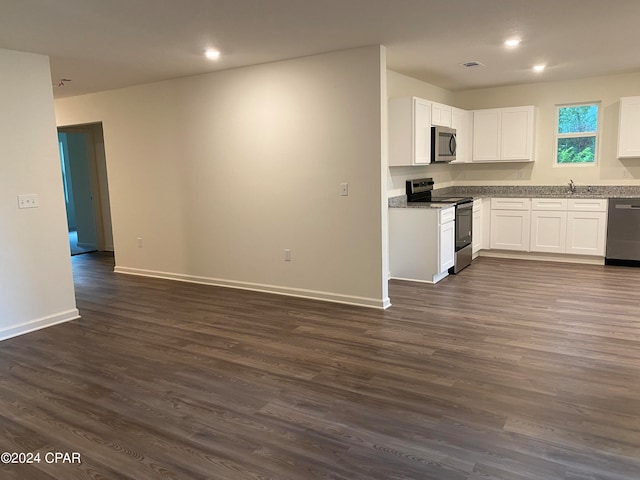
503	134
629	128
422	132
461	121
409	131
518	125
487	132
441	115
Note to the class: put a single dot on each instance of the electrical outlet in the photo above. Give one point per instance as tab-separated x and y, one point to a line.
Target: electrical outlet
344	189
139	242
287	255
625	173
28	200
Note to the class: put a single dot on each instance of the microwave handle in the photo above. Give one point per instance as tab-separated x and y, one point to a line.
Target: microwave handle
452	144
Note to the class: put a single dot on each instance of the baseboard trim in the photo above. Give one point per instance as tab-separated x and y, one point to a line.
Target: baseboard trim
381	304
435	279
39	323
543	257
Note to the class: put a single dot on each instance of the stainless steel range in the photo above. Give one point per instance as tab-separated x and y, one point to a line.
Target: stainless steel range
421	189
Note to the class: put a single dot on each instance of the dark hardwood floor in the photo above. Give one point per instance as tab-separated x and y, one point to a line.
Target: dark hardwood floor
511	370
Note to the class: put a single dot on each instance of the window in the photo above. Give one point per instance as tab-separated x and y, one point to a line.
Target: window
577	134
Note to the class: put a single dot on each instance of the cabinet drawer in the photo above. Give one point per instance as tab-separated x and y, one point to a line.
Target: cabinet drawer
588	204
547	204
447	215
510	203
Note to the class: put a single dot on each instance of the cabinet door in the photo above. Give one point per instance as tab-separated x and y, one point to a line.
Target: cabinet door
586	233
446	248
477	226
629	127
517	133
409	131
461	121
587	204
421	132
486	135
548	231
510	229
440	115
558	204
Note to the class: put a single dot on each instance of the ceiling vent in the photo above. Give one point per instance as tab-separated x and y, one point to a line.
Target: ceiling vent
472	64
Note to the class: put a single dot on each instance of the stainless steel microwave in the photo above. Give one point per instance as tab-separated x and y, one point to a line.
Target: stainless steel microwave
443	144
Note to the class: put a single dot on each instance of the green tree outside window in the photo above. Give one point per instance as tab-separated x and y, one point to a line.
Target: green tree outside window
576	137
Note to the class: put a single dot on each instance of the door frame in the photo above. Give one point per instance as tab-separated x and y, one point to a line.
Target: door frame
97	193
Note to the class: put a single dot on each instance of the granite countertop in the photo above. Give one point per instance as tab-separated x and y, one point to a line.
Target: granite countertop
535	191
401	202
528	191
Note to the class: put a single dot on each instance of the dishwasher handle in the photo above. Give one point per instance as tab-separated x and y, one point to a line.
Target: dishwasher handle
628	206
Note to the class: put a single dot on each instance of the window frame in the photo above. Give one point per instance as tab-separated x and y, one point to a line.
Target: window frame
596	134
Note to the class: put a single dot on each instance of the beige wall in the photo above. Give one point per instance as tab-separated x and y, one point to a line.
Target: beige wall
36	284
219	173
545	96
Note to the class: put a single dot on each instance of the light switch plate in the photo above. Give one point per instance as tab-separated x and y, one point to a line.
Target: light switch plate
29	200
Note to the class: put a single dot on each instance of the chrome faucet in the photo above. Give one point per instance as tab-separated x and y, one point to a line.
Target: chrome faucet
572	187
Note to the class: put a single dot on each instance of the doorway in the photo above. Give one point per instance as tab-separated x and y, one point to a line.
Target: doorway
86	190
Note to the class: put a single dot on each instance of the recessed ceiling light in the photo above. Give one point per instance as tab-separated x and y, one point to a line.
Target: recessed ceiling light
212	54
512	42
539	68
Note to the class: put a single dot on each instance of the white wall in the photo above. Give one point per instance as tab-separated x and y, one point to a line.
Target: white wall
545	96
219	173
36	284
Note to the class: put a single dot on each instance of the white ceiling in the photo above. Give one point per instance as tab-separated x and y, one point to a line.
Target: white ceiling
107	44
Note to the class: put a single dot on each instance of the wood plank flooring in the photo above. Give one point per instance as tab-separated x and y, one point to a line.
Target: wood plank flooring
511	370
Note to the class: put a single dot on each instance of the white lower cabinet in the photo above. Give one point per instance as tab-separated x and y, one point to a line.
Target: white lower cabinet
510	230
447	246
510	223
569	226
548	231
476	244
548	225
586	233
421	243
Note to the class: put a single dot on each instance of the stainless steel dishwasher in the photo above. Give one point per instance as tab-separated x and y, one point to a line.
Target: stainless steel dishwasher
623	232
